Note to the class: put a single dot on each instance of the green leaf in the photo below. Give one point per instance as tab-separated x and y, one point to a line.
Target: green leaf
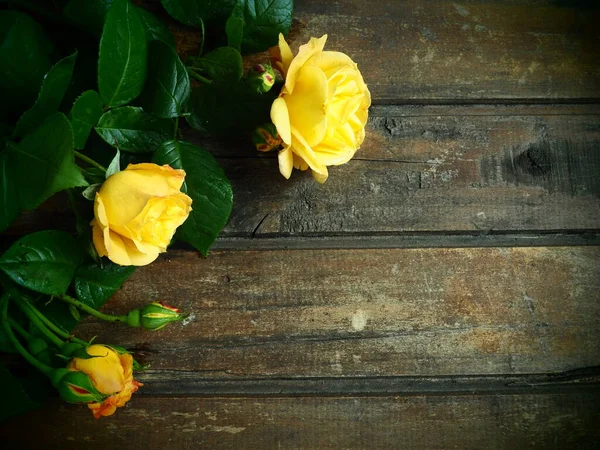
85	113
223	65
122	60
15	398
43	262
95	284
24	60
235	32
90	14
263	21
208	187
37	167
155	28
10	206
51	94
132	130
168	85
220	109
89	193
114	166
194	12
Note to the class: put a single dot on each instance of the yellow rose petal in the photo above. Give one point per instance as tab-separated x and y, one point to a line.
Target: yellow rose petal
173	177
105	369
331	62
320	178
98	239
286	54
306	106
299	163
281	119
305	52
286	162
302	149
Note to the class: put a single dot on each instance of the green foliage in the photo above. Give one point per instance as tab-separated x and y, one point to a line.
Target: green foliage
85	113
90	14
195	12
168	85
262	20
235	32
18	396
95	284
51	94
37	167
208	187
222	65
131	129
24	60
44	262
225	109
156	30
132	88
123	52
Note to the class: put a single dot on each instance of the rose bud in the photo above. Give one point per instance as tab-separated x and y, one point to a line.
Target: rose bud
266	138
322	109
261	77
137	212
154	316
77	387
111	374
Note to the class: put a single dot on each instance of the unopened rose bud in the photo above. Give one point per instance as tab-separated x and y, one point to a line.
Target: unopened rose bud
154	316
261	77
266	138
157	315
77	387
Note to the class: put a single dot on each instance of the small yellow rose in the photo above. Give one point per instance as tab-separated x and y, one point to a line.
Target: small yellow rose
111	374
137	212
322	109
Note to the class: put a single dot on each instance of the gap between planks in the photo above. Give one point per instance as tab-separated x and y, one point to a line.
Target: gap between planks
169	383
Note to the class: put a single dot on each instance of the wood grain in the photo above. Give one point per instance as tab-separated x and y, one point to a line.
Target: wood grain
444	169
531	421
468	50
316	313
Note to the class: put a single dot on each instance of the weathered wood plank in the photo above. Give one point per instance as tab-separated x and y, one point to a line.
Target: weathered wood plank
473	169
464	170
470	50
542	421
317	313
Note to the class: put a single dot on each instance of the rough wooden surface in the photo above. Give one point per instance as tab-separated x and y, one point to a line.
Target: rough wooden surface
424	169
417	422
465	50
370	312
441	290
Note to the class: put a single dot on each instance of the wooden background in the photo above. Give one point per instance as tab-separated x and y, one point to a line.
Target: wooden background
441	290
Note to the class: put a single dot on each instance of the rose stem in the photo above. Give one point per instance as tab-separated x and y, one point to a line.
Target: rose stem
176	128
89	160
88	309
56	329
198	77
46	370
26	308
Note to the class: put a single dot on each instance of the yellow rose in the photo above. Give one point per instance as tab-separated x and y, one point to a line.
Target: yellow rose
111	374
322	109
137	212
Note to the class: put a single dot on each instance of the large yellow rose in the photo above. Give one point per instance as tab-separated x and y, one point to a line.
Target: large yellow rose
137	212
111	374
322	109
